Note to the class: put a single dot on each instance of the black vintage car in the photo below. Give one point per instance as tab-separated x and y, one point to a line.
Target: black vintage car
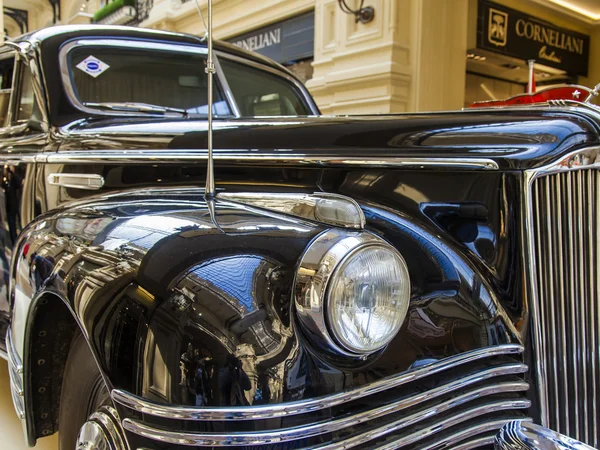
410	281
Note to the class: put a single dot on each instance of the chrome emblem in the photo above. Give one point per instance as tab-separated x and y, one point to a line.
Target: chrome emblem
576	94
497	27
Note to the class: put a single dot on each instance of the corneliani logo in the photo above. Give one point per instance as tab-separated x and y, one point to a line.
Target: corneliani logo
497	27
548	36
260	41
519	35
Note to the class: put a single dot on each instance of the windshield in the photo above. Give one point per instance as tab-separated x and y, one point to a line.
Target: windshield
107	77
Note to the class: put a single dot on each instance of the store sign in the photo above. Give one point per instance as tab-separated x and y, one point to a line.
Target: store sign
260	41
286	41
513	33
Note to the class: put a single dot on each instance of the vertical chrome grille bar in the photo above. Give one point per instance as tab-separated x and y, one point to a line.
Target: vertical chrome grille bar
594	225
591	229
582	315
564	242
530	272
562	301
572	309
547	299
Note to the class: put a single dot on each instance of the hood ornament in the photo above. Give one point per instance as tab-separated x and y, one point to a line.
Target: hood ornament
552	95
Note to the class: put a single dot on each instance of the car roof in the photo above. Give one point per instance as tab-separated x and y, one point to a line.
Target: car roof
67	32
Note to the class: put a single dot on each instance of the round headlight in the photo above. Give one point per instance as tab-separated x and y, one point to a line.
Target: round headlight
352	292
368	298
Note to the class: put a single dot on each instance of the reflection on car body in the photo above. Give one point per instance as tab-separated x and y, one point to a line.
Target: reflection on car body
367	282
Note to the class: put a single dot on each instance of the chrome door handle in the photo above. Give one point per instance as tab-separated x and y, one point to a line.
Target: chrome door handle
90	182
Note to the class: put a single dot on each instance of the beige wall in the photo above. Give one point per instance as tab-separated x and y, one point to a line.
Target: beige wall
411	57
594	70
386	66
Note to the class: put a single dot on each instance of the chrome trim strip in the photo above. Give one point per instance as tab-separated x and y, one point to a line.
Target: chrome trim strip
530	277
404	422
15	373
453	441
475	443
586	158
90	182
13	356
305	406
245	158
303	432
27	158
332	209
226	89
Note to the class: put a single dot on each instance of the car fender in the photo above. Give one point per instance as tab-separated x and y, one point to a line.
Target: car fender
170	290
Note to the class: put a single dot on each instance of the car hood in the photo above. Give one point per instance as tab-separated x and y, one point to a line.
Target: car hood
516	138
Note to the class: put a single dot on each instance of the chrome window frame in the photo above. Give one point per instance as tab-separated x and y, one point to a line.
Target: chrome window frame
20	67
8	127
67	82
304	95
23	61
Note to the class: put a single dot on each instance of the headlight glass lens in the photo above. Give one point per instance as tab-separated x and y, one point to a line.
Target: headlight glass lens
368	299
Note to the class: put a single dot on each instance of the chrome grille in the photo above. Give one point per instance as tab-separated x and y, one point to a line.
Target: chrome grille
459	401
566	250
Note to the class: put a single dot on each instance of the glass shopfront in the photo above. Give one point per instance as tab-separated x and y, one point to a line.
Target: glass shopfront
290	43
506	39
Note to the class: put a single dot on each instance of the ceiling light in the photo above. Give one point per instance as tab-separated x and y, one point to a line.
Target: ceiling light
577	9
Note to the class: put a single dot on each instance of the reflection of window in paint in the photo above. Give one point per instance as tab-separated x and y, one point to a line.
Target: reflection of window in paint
238	283
145	231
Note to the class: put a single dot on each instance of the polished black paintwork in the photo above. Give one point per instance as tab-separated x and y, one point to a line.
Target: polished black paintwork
513	139
162	283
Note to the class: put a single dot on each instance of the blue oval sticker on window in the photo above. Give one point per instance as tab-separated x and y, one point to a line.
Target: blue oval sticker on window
92	66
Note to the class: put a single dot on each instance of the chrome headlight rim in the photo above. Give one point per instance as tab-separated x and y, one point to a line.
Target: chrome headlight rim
383	245
319	264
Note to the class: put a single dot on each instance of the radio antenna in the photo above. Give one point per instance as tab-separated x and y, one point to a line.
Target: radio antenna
202	17
209	191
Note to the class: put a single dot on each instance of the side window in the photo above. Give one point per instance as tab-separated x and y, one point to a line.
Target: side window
260	93
25	99
7	66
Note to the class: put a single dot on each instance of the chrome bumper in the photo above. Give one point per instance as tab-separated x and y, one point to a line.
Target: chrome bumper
519	435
